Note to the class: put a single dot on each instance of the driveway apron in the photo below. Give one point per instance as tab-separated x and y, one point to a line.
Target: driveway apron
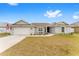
9	41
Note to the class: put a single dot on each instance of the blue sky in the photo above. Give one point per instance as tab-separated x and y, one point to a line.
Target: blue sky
39	12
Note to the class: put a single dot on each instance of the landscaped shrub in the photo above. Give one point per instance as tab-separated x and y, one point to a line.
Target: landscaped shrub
4	34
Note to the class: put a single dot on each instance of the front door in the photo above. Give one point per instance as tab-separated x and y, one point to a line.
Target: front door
48	29
62	29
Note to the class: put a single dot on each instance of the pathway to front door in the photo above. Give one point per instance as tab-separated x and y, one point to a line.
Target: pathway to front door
9	41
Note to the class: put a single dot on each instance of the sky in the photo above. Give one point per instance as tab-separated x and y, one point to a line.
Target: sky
39	12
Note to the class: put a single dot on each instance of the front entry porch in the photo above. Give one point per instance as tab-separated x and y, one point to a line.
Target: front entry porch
41	30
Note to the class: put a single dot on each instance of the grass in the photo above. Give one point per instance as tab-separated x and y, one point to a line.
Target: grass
57	45
4	34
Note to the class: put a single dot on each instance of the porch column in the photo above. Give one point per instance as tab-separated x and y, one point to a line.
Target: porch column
46	29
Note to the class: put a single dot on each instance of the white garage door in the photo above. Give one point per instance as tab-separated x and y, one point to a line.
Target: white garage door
25	31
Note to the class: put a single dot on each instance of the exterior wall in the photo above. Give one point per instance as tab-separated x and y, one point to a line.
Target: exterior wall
69	30
66	30
32	31
37	32
58	30
52	30
29	31
76	29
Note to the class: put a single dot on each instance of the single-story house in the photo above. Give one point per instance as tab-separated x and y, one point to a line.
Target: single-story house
22	27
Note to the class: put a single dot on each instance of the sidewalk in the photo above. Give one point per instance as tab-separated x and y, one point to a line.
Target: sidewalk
9	41
41	35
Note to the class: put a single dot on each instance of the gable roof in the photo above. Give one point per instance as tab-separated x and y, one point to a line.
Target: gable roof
20	22
62	23
22	25
76	23
40	24
59	24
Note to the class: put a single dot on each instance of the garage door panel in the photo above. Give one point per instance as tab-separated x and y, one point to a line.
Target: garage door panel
22	31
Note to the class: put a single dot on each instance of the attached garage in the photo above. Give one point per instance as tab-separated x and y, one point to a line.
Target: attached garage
21	28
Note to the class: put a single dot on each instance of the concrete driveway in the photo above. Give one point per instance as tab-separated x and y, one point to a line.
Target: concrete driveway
9	41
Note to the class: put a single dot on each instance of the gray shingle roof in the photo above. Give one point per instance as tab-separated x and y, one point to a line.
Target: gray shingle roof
21	22
62	23
21	25
59	24
76	23
40	24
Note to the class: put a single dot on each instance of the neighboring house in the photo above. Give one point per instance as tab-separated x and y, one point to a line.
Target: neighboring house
4	27
76	27
22	27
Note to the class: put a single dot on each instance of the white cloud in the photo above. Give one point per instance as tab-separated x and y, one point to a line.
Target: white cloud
76	17
53	14
13	4
59	15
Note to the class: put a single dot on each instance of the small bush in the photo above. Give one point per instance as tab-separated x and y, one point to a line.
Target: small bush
4	34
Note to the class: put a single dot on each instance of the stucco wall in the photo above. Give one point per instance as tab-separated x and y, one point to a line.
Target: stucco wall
66	30
69	30
52	30
36	31
76	29
58	30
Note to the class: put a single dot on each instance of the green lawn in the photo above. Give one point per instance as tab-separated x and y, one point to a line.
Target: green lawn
4	34
57	45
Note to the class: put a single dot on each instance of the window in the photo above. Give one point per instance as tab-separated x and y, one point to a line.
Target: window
40	29
62	29
40	33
